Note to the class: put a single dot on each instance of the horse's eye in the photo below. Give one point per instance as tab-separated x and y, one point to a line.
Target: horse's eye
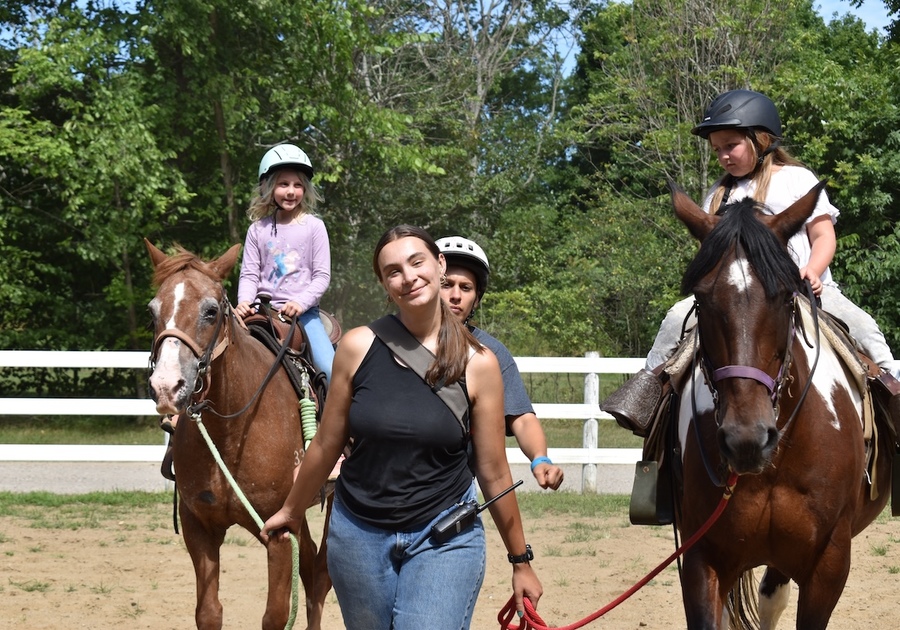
210	312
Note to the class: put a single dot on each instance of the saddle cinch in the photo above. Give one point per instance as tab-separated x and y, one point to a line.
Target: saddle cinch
652	499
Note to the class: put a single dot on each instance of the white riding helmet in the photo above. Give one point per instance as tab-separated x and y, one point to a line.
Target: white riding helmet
467	253
285	155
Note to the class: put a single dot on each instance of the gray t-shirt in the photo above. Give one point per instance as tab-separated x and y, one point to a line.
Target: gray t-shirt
515	398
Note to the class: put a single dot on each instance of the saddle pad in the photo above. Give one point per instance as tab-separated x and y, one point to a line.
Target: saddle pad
849	356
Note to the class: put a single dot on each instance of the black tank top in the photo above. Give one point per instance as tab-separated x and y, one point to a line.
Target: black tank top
409	459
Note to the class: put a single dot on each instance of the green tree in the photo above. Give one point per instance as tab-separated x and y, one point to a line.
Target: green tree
841	109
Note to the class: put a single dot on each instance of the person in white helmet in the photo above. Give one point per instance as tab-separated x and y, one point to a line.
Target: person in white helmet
287	255
467	276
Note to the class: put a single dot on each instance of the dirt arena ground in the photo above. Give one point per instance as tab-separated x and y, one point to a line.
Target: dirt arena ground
133	572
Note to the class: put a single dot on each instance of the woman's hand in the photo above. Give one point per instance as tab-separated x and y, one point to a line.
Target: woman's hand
279	526
526	584
548	476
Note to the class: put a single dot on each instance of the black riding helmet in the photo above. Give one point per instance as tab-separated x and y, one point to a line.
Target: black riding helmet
740	109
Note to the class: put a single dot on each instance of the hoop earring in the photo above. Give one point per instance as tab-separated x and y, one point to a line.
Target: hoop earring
443	280
387	300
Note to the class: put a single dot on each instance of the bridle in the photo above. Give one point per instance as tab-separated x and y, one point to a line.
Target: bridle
205	357
214	350
775	386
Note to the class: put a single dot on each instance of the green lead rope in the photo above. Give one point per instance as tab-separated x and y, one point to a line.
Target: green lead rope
307	419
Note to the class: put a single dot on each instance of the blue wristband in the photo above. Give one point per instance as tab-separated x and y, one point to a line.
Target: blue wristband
543	459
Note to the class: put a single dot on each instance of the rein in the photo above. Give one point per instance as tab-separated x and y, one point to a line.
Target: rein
205	403
532	621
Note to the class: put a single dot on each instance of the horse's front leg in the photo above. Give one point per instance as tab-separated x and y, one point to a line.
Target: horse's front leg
704	605
203	545
820	589
315	576
280	572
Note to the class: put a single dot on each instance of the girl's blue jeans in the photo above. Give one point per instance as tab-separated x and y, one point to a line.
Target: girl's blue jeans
319	343
402	580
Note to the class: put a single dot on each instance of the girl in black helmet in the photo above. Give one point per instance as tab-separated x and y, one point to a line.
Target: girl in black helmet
744	131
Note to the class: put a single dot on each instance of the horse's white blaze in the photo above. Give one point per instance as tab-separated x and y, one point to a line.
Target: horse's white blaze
166	378
178	295
168	352
704	403
739	275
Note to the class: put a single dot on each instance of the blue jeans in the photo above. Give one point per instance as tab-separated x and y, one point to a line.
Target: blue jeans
402	580
319	343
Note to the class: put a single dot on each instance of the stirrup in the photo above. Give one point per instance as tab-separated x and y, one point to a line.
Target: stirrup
635	403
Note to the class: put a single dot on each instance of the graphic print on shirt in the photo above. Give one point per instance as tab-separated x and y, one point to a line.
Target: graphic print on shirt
286	259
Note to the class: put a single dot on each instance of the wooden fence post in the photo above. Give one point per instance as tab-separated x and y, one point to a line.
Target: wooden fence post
589	439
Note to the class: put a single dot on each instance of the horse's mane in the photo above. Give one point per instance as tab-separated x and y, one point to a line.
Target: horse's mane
180	261
740	226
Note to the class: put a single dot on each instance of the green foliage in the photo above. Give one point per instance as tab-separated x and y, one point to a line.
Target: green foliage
120	122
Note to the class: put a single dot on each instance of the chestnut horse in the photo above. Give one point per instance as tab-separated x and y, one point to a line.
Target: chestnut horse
201	353
765	399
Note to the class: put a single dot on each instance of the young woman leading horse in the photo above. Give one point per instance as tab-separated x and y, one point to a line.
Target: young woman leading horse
204	359
764	396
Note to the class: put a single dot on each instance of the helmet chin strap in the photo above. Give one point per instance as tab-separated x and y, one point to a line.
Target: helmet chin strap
472	312
275	218
751	133
763	155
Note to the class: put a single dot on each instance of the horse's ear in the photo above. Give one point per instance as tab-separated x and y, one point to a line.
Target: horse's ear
785	224
698	222
156	255
223	265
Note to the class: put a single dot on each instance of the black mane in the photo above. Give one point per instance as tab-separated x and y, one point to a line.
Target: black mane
740	226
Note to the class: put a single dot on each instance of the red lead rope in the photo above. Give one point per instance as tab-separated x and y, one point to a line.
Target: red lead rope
533	621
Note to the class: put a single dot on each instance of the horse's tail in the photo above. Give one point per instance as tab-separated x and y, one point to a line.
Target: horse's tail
742	605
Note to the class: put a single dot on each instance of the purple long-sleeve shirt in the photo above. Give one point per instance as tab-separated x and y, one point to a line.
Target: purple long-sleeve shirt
292	265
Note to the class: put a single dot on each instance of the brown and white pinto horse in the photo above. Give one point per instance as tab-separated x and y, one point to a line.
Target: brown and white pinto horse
766	400
201	353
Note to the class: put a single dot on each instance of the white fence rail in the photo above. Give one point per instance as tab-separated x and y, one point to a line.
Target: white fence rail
589	456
